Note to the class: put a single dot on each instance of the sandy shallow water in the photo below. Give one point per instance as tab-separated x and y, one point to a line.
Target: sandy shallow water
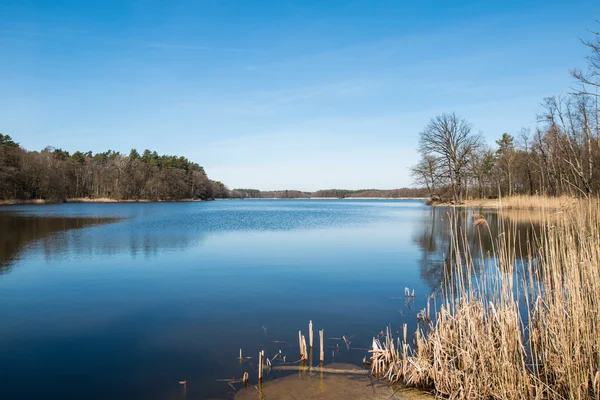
326	386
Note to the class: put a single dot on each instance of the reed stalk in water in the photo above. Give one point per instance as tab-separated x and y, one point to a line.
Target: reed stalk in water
525	328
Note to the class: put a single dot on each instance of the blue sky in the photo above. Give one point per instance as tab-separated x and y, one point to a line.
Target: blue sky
280	94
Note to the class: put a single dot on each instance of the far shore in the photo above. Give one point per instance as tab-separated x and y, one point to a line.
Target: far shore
519	202
333	198
108	200
87	200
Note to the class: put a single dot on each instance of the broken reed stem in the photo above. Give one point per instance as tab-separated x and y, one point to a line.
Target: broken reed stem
260	365
321	353
304	349
329	370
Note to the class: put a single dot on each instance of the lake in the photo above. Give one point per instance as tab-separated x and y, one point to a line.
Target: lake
123	301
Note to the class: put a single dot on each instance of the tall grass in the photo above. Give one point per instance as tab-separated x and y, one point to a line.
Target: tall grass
525	202
525	329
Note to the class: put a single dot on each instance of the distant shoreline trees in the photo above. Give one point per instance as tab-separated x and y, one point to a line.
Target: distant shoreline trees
561	157
330	194
54	174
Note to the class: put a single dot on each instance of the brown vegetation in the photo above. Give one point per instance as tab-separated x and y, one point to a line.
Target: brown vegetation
527	329
479	222
519	202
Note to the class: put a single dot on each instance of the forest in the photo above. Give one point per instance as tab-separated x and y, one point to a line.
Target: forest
55	175
331	193
560	156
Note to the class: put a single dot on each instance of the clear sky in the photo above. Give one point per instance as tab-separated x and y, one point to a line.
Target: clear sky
280	94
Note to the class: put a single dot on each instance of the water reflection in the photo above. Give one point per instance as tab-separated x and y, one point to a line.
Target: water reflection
173	291
516	231
123	238
54	236
17	232
148	230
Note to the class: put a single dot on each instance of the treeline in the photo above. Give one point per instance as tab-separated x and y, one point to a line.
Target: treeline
269	194
561	156
330	193
55	175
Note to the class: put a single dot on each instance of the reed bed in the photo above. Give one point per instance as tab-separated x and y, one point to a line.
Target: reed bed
523	329
525	202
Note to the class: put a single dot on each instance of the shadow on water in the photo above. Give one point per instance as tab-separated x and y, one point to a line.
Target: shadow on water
19	231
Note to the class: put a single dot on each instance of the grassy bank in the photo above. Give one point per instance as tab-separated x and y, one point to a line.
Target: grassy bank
17	202
527	329
518	202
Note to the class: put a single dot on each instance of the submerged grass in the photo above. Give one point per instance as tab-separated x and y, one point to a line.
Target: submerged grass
526	328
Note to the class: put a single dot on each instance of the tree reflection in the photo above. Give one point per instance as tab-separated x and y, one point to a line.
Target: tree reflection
445	230
54	236
19	231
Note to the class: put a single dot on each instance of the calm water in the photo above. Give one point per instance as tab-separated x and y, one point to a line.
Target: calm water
122	301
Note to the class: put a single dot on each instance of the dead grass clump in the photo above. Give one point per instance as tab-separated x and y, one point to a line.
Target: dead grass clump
498	337
480	222
15	202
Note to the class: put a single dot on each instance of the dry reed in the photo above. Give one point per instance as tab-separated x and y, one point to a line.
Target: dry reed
480	222
527	329
525	202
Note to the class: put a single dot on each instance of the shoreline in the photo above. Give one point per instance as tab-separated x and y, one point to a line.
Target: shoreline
109	201
331	198
85	200
312	383
515	202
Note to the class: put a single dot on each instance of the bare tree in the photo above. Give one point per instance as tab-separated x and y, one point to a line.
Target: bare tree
567	118
524	148
481	166
426	173
589	80
448	139
506	159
